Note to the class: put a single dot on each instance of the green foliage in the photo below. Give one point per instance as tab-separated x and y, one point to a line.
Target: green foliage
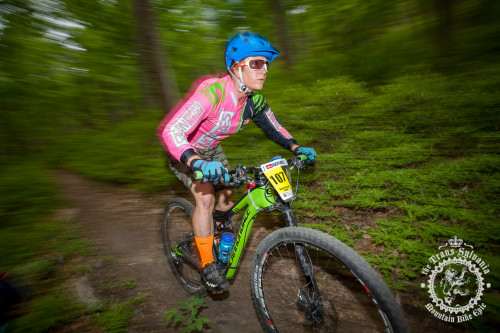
115	318
55	69
26	187
186	317
128	283
46	312
131	153
336	229
36	246
28	198
75	65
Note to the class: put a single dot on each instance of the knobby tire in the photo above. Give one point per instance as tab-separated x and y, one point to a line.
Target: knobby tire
352	297
177	229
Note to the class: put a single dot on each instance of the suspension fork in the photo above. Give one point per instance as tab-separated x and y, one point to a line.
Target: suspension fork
303	257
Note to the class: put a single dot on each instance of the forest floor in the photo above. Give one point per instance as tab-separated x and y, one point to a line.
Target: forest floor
124	225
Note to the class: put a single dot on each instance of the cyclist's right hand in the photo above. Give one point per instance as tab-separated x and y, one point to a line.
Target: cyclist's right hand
212	171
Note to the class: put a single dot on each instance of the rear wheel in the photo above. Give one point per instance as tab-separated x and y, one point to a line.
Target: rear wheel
344	294
179	245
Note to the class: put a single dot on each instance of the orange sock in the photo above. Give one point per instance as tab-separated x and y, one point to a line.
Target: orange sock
204	246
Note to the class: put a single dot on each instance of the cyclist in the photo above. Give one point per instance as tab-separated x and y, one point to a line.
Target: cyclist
217	107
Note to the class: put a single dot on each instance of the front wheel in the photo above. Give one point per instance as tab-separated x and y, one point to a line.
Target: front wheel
304	280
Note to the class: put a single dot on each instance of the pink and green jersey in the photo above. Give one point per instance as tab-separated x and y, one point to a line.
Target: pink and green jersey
210	113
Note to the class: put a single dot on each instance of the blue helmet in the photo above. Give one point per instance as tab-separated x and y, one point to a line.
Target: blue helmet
246	44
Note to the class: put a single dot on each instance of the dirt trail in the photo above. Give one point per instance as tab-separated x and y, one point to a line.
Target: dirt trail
125	225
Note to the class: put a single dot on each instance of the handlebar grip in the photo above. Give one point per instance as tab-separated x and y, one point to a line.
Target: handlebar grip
305	161
197	175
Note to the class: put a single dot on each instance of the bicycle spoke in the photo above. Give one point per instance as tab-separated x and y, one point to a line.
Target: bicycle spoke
277	280
342	299
179	245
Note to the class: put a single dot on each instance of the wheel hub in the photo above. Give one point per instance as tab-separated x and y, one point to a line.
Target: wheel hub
313	311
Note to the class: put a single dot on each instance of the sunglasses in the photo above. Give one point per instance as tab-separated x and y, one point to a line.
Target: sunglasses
254	64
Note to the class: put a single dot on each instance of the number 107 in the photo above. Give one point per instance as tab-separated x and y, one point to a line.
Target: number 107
278	177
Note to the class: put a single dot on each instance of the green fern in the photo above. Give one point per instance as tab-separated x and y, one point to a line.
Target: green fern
186	317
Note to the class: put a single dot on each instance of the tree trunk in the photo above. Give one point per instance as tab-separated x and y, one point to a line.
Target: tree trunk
160	87
445	26
280	19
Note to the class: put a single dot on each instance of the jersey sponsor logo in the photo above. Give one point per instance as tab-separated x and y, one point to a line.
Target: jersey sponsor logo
185	123
214	93
221	128
259	102
277	126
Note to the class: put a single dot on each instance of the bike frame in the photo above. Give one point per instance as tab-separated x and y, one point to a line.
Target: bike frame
260	196
256	200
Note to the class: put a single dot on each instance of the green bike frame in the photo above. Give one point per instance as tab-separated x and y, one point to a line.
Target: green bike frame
256	199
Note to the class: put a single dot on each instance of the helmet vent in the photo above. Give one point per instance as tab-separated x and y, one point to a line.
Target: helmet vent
233	49
246	40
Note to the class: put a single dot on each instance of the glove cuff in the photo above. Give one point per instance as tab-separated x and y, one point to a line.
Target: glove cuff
191	164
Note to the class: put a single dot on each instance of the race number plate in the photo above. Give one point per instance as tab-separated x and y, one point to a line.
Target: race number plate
277	174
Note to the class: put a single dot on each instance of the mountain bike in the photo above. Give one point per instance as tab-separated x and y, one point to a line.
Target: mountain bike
302	279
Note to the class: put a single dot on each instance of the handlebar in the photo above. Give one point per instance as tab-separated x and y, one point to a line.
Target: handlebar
239	175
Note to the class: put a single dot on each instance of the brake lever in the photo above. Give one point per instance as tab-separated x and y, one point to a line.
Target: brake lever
305	162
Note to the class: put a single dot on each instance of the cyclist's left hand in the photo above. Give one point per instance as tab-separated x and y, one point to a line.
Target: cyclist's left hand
307	152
